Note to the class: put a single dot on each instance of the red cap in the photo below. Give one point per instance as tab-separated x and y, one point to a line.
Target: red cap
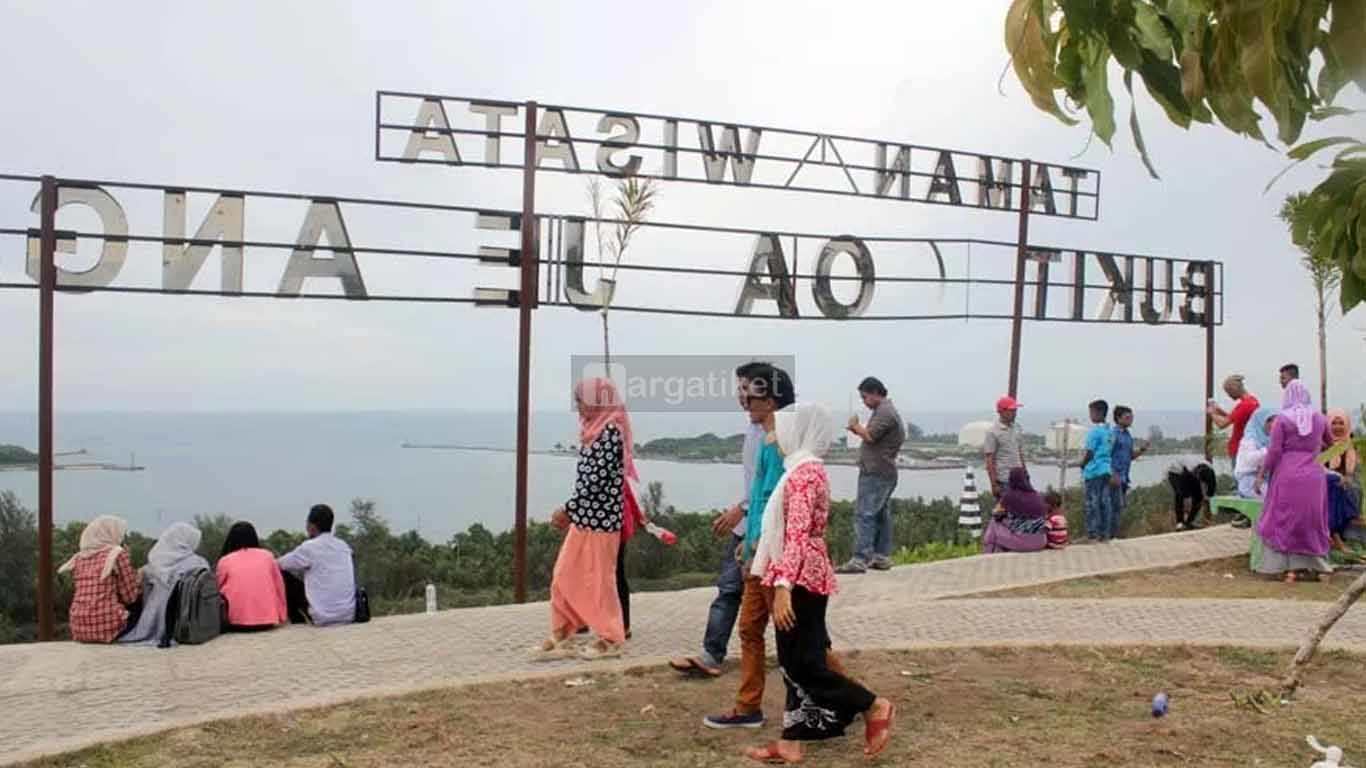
1007	403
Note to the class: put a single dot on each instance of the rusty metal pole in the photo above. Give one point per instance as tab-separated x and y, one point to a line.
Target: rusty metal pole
47	284
526	300
1021	249
1209	360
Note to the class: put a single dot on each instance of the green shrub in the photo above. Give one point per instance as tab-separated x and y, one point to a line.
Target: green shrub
935	551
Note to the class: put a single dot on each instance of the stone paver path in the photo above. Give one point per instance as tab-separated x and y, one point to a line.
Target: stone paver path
61	696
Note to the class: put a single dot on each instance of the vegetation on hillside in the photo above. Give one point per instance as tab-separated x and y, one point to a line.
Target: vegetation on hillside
474	567
14	454
705	447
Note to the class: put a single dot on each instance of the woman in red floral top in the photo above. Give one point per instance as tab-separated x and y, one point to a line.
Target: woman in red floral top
792	558
106	584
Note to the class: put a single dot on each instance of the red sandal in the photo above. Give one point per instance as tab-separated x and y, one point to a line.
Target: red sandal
877	734
769	755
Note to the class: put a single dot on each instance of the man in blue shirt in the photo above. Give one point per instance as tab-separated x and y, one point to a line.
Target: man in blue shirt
769	392
732	526
1097	474
1122	455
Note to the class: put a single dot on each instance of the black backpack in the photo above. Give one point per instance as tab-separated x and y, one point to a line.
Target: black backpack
196	612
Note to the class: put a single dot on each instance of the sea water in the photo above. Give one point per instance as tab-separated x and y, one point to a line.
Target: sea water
269	468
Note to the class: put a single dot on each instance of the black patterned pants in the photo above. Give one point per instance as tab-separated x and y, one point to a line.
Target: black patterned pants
820	701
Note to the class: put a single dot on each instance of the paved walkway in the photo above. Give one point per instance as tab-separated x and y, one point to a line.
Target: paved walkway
62	696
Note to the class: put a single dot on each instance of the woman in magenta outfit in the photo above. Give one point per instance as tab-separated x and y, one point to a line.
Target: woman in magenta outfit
1294	523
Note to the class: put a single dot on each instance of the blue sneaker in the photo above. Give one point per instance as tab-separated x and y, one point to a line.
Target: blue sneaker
733	719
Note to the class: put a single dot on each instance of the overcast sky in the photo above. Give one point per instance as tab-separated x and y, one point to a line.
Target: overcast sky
280	96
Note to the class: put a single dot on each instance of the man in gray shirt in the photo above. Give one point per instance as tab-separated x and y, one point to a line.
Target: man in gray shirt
1003	445
882	437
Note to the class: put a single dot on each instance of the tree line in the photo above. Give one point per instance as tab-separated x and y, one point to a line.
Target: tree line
474	567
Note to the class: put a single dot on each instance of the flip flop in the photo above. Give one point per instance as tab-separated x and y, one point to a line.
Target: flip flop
877	734
693	667
769	755
553	651
596	652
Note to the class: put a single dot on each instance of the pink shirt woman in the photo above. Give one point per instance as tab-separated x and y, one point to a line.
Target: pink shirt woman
250	581
792	559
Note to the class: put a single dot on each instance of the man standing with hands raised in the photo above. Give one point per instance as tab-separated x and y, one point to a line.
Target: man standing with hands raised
882	437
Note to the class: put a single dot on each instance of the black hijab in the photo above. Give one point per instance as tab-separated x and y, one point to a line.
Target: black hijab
1020	499
241	535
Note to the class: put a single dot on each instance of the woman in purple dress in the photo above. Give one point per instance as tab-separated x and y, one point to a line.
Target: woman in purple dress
1294	523
1019	523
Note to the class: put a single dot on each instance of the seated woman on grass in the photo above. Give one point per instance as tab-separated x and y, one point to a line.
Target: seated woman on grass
1019	522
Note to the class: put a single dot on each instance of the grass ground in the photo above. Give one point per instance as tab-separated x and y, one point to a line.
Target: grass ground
1059	707
1222	579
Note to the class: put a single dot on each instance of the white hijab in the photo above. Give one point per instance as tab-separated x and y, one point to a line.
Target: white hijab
104	533
167	558
804	434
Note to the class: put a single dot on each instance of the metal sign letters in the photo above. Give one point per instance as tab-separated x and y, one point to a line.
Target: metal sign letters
771	274
450	130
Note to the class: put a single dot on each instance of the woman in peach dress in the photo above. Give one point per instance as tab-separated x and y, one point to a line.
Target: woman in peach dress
583	589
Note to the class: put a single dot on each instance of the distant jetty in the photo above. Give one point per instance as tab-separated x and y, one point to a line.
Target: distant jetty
16	459
85	465
477	448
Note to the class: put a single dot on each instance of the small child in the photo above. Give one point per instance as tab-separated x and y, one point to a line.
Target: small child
1097	474
1057	521
1122	454
1252	453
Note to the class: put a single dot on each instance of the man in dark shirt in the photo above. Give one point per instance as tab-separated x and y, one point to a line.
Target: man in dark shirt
1288	373
882	437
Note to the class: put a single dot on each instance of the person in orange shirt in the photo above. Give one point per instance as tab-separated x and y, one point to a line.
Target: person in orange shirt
250	582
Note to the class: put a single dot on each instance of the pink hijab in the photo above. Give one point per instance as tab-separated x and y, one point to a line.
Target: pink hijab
600	405
1298	407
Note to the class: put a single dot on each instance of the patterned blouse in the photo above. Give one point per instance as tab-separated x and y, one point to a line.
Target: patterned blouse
806	510
596	504
98	611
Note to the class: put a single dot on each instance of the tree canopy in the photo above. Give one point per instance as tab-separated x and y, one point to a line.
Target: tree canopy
1224	60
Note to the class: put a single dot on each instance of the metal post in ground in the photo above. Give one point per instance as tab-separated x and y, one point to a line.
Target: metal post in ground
47	286
1021	250
526	302
1209	360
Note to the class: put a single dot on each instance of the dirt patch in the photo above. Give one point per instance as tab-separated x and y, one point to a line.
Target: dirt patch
1226	579
1060	707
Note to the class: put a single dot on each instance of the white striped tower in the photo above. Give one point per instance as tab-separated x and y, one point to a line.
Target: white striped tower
969	509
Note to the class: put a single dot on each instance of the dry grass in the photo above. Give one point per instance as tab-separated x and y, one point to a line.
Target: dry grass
1061	708
1225	579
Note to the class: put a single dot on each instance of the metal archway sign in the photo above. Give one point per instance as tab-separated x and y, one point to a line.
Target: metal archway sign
327	258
